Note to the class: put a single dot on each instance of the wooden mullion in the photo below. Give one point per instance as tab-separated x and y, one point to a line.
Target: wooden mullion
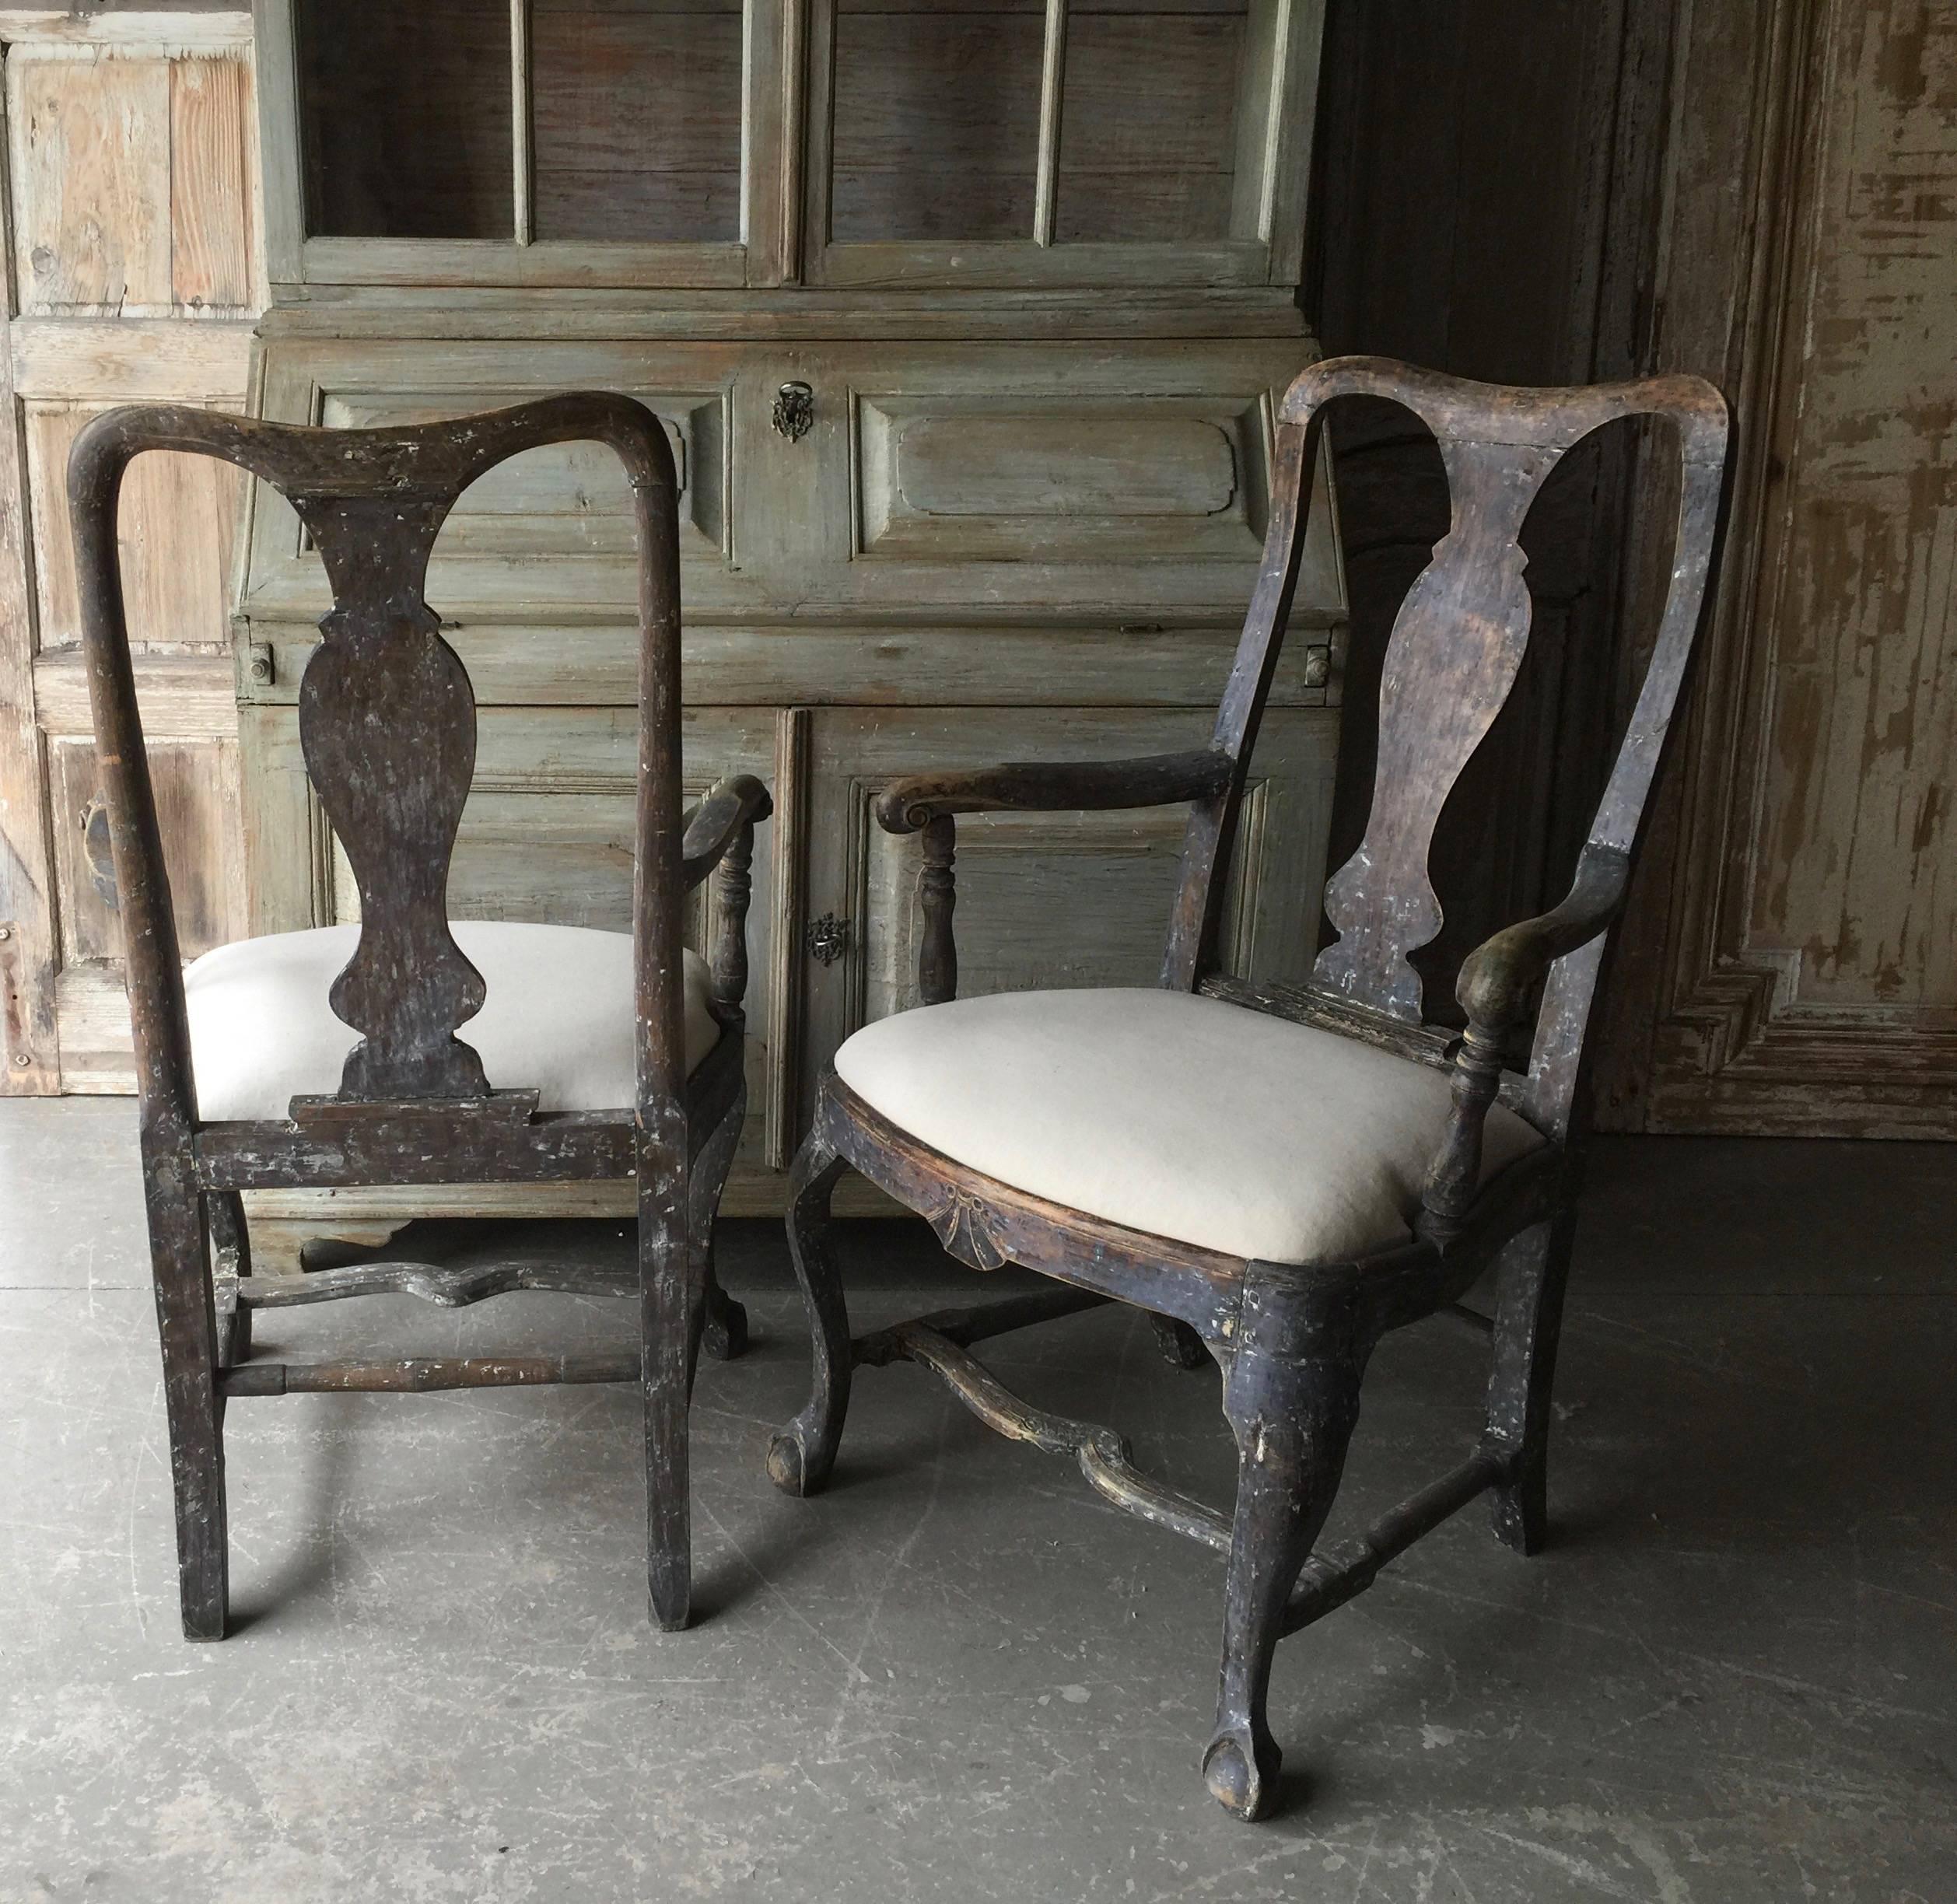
523	167
1053	59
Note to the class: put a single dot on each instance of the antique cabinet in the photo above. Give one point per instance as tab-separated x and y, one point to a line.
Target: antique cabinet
966	322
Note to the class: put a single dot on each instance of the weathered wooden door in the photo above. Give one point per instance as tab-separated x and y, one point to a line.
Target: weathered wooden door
133	274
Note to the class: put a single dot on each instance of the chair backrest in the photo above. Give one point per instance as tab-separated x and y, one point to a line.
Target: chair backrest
1453	657
386	721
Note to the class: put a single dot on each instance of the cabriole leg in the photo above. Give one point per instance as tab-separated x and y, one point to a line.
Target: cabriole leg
187	1321
718	1320
1292	1397
1532	1271
666	1337
724	1321
800	1456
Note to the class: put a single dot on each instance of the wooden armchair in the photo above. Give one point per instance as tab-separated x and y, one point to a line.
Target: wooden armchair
587	1055
1281	1174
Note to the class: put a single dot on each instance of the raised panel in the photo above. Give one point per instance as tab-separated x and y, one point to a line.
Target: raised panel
212	266
1125	486
546	535
567	498
196	785
1157	480
90	143
176	528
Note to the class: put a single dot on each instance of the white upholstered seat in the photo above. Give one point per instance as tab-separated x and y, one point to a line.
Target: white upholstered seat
1182	1116
558	1019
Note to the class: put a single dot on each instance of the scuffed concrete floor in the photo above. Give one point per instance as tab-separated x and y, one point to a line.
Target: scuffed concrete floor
959	1675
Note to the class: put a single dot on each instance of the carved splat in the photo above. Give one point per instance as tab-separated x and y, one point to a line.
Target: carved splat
1456	647
387	720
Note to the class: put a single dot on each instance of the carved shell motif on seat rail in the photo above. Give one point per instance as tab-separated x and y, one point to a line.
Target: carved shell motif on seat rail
964	1226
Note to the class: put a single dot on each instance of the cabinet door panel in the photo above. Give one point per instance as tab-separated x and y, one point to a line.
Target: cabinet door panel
1045	899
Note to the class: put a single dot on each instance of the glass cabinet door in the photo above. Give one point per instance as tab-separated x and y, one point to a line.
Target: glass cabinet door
936	117
1137	142
600	142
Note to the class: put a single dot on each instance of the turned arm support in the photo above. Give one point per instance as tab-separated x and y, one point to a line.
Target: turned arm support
1497	988
720	832
927	803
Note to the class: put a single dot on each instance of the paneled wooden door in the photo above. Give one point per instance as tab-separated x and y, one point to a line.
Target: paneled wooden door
133	274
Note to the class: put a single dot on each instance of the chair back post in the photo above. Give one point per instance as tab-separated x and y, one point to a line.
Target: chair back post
1208	839
386	724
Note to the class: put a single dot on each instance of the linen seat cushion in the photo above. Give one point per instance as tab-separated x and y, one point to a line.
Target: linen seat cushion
1182	1116
558	1018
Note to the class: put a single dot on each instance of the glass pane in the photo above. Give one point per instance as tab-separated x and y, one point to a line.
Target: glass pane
937	115
1148	119
406	117
635	116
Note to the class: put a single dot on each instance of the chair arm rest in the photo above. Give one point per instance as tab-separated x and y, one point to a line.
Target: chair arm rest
711	827
1498	981
927	803
1499	978
909	806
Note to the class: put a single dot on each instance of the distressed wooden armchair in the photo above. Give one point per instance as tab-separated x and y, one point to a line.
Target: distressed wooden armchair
585	1055
1281	1174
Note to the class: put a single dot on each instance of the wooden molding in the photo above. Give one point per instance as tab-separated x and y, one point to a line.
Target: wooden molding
1729	1042
153	31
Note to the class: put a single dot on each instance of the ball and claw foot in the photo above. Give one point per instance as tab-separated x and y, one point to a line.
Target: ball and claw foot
1245	1783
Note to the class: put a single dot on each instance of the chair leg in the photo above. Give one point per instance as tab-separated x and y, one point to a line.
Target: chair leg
666	1335
718	1321
1292	1398
1532	1271
187	1321
800	1456
724	1320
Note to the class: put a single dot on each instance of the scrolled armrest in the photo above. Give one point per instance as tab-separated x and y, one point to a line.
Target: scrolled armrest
1497	984
1499	978
711	827
910	805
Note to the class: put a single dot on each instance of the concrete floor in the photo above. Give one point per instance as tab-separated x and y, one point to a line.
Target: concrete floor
959	1675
